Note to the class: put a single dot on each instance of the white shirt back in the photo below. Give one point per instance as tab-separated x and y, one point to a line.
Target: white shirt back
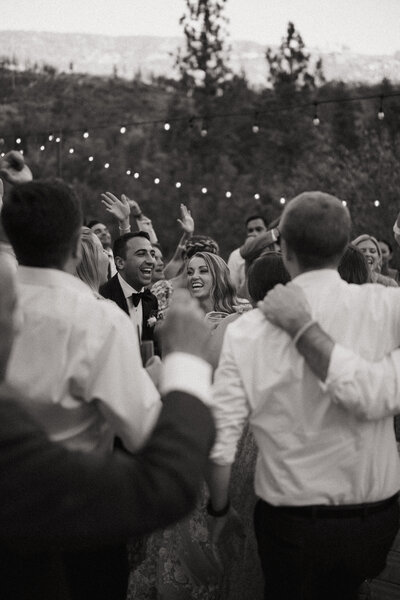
311	451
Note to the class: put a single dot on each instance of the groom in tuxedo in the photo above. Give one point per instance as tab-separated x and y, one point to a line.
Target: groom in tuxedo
134	259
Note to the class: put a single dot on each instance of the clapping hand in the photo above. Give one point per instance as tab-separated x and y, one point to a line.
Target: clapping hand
13	168
186	221
119	208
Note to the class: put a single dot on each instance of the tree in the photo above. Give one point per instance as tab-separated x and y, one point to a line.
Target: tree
289	66
202	66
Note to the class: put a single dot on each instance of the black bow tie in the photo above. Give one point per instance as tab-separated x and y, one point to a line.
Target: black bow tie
136	298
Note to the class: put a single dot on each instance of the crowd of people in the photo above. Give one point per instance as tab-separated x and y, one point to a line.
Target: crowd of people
193	429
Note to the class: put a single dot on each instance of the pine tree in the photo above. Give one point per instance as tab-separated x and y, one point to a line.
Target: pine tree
202	65
289	66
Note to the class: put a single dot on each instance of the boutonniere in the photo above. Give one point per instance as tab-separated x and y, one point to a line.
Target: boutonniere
154	317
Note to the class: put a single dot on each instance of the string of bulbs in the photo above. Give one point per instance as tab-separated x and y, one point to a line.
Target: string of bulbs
256	117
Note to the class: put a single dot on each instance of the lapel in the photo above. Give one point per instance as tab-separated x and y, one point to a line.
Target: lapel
113	291
149	305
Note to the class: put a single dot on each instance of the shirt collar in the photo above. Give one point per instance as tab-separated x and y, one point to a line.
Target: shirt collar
51	278
318	276
127	289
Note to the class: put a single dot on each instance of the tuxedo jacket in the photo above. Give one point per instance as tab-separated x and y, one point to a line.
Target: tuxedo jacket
64	514
113	291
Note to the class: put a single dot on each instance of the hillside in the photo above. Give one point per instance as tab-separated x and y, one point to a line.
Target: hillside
103	55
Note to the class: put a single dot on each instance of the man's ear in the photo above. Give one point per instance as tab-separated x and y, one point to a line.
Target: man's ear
119	262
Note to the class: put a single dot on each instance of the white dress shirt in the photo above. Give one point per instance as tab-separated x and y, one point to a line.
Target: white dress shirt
236	265
135	312
76	365
311	450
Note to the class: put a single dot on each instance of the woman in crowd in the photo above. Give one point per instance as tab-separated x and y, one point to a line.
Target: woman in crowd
370	248
208	281
94	264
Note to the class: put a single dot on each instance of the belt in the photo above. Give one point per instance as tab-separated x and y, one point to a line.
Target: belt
325	511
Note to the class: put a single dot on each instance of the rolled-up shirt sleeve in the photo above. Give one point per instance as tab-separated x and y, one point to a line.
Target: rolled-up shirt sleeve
229	406
371	390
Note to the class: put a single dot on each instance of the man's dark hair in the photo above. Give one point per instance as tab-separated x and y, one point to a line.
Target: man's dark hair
264	274
353	266
42	220
316	227
253	218
387	244
119	247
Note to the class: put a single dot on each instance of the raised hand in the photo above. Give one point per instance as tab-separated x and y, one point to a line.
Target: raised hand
186	221
183	329
13	168
120	209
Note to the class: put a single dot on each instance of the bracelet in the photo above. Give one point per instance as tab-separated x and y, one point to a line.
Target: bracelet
396	229
217	513
123	230
302	330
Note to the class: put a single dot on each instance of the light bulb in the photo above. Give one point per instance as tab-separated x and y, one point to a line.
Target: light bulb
128	172
90	159
71	150
167	126
136	175
106	166
316	121
18	140
122	130
51	137
58	140
228	194
255	129
282	200
381	115
156	181
41	148
204	190
178	184
86	135
256	196
377	203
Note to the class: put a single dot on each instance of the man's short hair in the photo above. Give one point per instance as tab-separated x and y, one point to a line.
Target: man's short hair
316	227
42	220
253	218
119	247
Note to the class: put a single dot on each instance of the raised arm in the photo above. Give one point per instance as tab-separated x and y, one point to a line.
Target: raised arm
187	224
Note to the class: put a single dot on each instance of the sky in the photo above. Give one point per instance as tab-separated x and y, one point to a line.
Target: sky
365	26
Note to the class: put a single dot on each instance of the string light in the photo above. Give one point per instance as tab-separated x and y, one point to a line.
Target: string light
91	158
85	134
228	194
58	140
128	172
344	202
255	128
316	120
156	181
167	126
204	131
178	184
282	200
136	175
381	114
377	203
256	196
18	140
71	150
42	148
51	137
106	166
2	154
122	130
21	152
204	190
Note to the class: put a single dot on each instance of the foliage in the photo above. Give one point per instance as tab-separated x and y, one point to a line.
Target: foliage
351	154
289	66
202	66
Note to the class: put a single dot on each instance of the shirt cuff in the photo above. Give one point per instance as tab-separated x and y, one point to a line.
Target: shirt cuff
340	366
186	373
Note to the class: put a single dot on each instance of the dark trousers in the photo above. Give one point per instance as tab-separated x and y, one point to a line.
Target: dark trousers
312	553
